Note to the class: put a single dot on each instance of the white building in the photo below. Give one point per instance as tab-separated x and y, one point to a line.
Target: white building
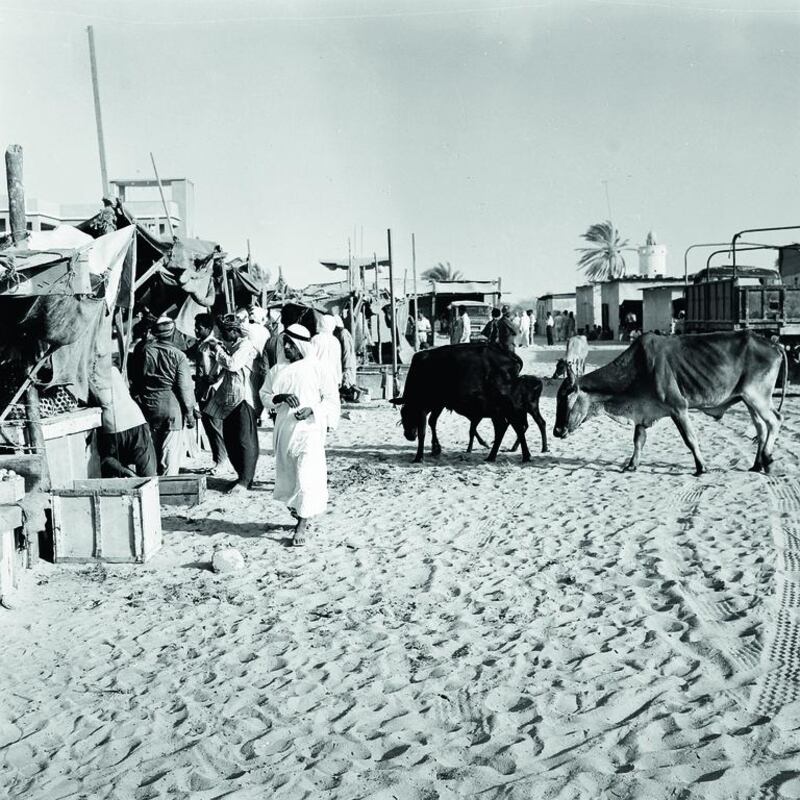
140	197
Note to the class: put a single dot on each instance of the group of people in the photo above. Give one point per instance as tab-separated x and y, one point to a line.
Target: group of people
560	326
241	366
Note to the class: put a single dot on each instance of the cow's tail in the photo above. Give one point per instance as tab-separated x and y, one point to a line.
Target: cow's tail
785	370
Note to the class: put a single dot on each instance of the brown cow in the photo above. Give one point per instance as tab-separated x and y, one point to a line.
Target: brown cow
665	376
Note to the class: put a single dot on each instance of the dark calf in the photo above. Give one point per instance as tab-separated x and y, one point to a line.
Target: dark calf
524	398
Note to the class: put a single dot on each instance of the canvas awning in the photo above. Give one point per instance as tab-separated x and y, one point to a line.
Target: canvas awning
355	263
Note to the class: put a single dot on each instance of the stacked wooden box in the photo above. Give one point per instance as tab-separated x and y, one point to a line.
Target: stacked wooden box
182	490
12	490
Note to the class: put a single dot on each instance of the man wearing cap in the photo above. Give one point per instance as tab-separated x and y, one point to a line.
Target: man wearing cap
161	381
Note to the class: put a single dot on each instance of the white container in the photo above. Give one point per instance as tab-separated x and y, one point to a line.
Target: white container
115	519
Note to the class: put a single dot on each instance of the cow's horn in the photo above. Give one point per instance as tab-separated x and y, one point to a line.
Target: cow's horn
397	401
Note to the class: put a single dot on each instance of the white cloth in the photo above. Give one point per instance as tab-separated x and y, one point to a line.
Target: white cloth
257	334
119	411
466	328
328	351
301	473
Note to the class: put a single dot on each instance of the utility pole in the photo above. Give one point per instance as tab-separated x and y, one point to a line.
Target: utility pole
16	193
101	144
414	273
33	425
608	200
163	200
395	387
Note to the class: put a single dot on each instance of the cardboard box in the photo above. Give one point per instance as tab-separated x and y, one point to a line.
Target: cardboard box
116	520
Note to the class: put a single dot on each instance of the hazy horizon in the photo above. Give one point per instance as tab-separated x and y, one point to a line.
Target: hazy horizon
488	130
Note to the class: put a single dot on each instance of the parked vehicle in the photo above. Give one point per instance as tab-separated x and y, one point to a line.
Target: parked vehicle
753	297
479	314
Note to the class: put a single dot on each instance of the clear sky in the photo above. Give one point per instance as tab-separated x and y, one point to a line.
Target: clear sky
486	128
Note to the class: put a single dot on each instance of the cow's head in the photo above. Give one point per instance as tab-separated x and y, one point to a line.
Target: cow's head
408	418
572	406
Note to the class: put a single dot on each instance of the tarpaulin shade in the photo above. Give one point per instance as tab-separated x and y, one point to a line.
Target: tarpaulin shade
355	263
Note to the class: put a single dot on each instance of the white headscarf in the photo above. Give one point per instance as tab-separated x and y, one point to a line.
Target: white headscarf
301	339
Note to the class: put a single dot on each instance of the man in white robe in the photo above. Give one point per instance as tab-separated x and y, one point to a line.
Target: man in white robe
303	395
329	353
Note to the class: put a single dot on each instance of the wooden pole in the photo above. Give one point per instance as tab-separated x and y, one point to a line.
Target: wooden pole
33	426
163	201
377	316
414	284
101	144
16	193
131	297
395	387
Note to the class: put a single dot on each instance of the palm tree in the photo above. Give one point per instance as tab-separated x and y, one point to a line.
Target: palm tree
442	272
604	260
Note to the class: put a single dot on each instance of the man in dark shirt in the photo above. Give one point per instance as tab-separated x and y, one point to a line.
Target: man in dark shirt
501	329
161	381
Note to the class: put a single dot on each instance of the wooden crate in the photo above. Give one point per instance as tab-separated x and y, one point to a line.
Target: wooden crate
10	520
182	490
12	490
115	519
70	446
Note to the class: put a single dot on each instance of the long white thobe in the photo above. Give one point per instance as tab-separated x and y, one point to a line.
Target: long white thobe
301	473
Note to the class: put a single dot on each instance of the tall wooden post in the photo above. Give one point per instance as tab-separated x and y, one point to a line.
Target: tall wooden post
101	144
163	201
131	301
33	427
377	317
16	193
415	306
395	387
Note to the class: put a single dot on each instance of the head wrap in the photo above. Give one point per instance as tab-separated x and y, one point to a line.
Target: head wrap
232	323
301	338
328	324
163	328
258	314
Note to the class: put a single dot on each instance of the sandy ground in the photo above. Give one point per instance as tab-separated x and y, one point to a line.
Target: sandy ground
455	629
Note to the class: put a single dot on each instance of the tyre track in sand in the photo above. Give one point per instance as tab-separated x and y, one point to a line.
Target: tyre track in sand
779	679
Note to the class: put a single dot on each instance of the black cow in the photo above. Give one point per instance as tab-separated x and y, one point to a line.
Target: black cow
475	380
665	376
525	394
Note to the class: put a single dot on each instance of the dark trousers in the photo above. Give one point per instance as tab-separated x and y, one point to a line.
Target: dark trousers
213	428
132	448
240	431
549	334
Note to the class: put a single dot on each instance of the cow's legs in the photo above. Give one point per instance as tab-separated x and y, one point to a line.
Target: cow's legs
761	434
420	438
681	420
539	420
473	434
500	428
762	407
520	425
436	448
639	439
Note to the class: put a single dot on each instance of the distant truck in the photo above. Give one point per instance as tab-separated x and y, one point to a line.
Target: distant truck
479	314
751	297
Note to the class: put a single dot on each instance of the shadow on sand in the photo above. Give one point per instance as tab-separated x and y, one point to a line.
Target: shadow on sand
212	527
